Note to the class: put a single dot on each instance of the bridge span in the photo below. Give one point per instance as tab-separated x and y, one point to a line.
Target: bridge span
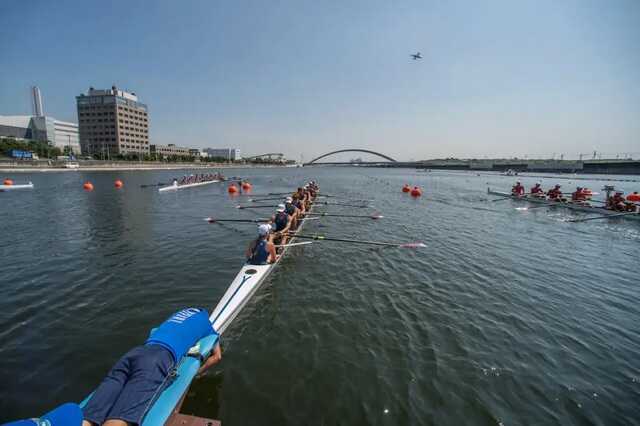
312	162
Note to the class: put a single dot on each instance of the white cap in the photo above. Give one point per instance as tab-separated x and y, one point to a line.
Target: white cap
264	229
280	208
289	200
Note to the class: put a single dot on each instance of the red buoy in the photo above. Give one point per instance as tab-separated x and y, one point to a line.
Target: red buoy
416	192
88	186
246	186
118	184
406	188
8	182
232	189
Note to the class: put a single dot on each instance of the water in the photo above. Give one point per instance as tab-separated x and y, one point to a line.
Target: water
506	317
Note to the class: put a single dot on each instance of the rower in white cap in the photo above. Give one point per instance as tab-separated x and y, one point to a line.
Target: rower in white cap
261	250
282	223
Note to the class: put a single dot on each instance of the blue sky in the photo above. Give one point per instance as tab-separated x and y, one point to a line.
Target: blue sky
498	78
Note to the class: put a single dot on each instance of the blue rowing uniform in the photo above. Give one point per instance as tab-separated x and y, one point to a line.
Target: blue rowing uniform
290	209
282	218
141	374
181	331
260	254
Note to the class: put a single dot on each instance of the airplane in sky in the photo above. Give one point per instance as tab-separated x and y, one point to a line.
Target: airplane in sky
416	56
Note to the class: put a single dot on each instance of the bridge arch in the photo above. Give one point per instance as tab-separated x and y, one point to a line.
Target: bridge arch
351	150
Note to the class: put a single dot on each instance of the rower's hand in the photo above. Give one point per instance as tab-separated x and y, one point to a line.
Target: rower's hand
215	358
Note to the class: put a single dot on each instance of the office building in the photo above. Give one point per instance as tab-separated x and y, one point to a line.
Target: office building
60	134
112	121
164	151
229	154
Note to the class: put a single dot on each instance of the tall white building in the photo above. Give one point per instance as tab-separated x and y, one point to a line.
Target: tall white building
229	154
60	134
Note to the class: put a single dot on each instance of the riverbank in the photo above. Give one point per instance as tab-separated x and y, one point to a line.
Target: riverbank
91	166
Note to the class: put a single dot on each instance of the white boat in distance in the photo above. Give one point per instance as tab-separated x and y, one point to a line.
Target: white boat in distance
175	186
14	187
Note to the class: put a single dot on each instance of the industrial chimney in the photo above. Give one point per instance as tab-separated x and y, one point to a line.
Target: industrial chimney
36	102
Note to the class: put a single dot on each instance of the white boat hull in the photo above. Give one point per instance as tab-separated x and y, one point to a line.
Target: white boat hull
15	187
188	185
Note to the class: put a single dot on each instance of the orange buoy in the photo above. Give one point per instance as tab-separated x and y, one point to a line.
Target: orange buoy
416	192
118	184
633	197
406	188
232	189
88	186
246	186
8	182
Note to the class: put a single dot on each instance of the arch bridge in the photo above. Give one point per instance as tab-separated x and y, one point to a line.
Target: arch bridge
314	161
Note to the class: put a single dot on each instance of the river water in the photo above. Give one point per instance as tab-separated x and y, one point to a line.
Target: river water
506	316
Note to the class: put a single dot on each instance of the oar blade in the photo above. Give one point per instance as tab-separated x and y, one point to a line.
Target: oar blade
413	245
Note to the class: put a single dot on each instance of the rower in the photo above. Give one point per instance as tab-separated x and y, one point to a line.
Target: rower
619	203
579	196
299	204
262	251
139	376
174	182
517	189
555	194
282	224
537	190
292	211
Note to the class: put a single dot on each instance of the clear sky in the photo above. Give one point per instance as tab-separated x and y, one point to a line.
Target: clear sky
498	78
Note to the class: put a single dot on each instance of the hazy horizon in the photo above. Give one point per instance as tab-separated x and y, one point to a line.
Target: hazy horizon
502	79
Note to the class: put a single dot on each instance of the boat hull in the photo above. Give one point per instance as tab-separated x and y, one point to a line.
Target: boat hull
243	287
16	187
188	185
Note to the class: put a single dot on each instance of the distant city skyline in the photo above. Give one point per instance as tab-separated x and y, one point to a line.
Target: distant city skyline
497	79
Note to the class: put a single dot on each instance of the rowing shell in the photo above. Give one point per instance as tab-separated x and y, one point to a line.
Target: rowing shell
244	285
571	206
13	187
175	187
242	288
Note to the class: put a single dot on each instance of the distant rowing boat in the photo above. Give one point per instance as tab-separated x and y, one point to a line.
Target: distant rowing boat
175	187
14	187
567	205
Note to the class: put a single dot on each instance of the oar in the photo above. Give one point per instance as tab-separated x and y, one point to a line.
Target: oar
213	220
377	216
535	207
256	207
327	203
607	216
304	243
502	199
375	243
154	184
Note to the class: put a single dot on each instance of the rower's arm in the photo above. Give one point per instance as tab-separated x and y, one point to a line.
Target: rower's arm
249	251
273	255
215	358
